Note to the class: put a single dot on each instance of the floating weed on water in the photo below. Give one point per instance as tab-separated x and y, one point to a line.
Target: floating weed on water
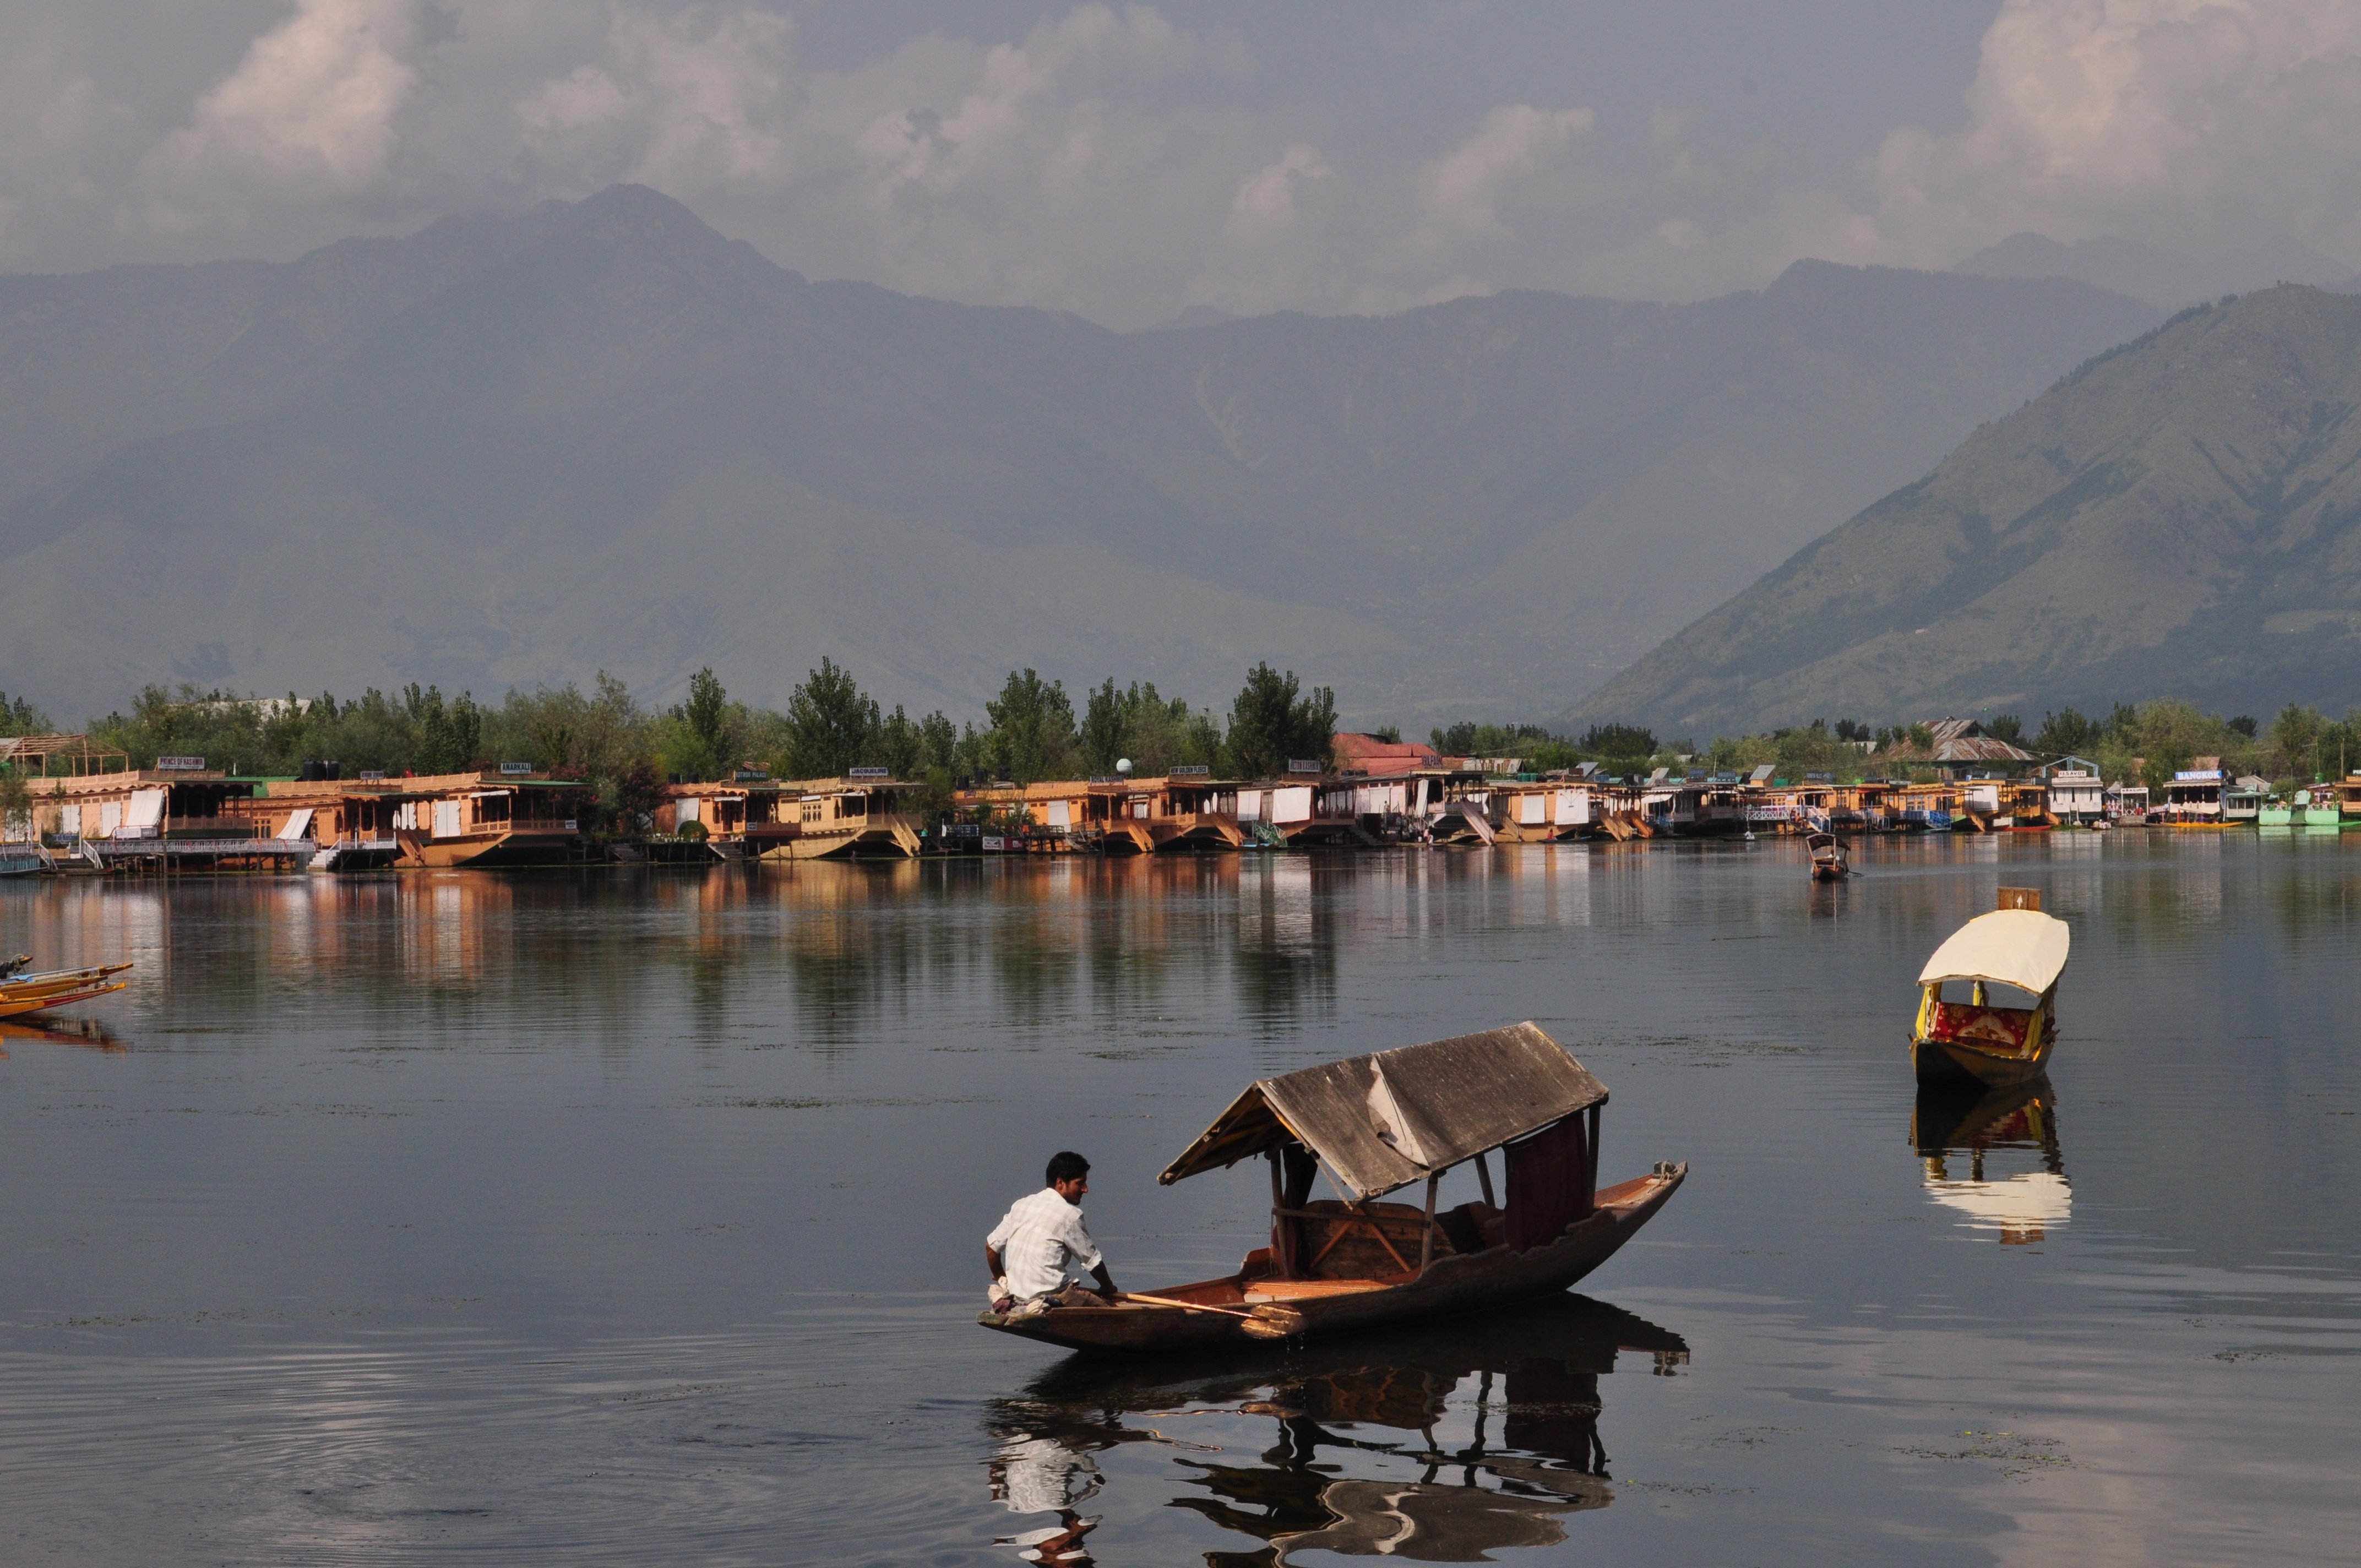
2237	1354
2018	1455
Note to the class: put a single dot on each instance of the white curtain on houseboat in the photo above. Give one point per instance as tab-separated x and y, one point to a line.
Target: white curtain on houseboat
1292	804
1059	813
446	819
110	817
146	812
297	825
70	821
684	813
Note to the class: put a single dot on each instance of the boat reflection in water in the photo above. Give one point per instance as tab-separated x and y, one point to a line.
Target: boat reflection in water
59	1029
1434	1445
2023	1205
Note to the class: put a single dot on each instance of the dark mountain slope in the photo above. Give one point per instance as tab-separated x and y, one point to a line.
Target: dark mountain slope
519	447
2182	516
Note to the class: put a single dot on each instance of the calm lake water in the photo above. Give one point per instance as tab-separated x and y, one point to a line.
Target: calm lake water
636	1216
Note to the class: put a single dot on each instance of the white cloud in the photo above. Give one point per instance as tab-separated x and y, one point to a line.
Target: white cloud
310	110
1459	194
2091	116
1270	200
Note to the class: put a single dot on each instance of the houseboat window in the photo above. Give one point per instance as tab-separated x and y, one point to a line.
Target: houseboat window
811	810
852	805
491	808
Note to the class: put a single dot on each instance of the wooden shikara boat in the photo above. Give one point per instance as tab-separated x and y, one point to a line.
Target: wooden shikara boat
21	993
1977	1041
1828	857
1373	1125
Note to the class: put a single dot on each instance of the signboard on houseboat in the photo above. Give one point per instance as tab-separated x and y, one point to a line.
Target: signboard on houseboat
180	765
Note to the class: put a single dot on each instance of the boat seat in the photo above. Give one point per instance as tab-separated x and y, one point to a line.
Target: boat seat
1308	1290
2002	1026
1473	1226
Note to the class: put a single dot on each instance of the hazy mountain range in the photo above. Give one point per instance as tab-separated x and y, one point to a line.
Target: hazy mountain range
527	445
2159	275
2182	516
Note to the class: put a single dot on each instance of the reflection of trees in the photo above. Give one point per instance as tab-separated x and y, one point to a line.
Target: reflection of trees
853	943
1286	951
1526	1380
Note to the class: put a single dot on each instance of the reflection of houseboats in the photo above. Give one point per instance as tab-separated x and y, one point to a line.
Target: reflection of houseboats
2023	1206
1375	1124
1359	1467
1978	1039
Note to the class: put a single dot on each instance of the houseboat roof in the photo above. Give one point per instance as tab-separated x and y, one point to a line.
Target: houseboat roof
2022	947
1385	1120
1375	758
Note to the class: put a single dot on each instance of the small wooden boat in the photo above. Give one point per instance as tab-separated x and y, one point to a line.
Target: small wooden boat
1828	857
1375	1124
1979	1041
22	993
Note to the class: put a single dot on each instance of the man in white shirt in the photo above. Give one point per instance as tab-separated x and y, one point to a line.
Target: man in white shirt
1037	1251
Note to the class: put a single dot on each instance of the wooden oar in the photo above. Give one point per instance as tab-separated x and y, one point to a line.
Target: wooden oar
1268	1320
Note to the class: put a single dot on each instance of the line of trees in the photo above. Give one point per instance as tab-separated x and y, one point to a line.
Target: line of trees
627	750
2142	742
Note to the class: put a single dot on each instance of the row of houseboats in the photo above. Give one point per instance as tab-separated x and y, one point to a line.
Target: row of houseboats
174	815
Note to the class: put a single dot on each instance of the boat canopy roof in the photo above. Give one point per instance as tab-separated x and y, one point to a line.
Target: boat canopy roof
1384	1120
2022	947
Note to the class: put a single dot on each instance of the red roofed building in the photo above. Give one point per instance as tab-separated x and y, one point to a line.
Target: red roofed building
1366	756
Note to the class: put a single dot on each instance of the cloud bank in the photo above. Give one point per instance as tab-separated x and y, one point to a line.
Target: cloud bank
1120	161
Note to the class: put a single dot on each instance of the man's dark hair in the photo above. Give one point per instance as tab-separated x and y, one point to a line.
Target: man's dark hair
1066	1164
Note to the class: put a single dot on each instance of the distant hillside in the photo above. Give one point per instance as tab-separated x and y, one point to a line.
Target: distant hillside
525	446
2180	516
2163	277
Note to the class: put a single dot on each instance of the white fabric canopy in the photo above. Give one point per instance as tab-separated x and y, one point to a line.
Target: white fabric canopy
2022	947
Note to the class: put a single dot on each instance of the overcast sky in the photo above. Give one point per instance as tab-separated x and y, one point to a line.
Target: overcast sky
1130	161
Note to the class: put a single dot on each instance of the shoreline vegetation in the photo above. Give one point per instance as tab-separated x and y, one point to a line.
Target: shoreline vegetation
1034	730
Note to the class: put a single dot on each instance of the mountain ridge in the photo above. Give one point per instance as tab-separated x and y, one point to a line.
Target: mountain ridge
2180	516
601	435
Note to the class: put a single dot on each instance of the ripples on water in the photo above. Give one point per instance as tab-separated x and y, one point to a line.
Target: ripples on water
635	1217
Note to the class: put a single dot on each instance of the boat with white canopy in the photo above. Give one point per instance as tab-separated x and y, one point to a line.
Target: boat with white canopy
1983	1038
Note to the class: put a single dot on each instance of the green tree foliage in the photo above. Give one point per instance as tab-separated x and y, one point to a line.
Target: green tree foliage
2066	733
1617	742
1156	734
2006	727
20	716
1272	725
563	732
1032	735
830	724
2295	741
449	738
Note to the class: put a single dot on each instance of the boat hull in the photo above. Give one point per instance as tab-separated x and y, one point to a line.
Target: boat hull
1957	1063
1458	1283
18	1006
